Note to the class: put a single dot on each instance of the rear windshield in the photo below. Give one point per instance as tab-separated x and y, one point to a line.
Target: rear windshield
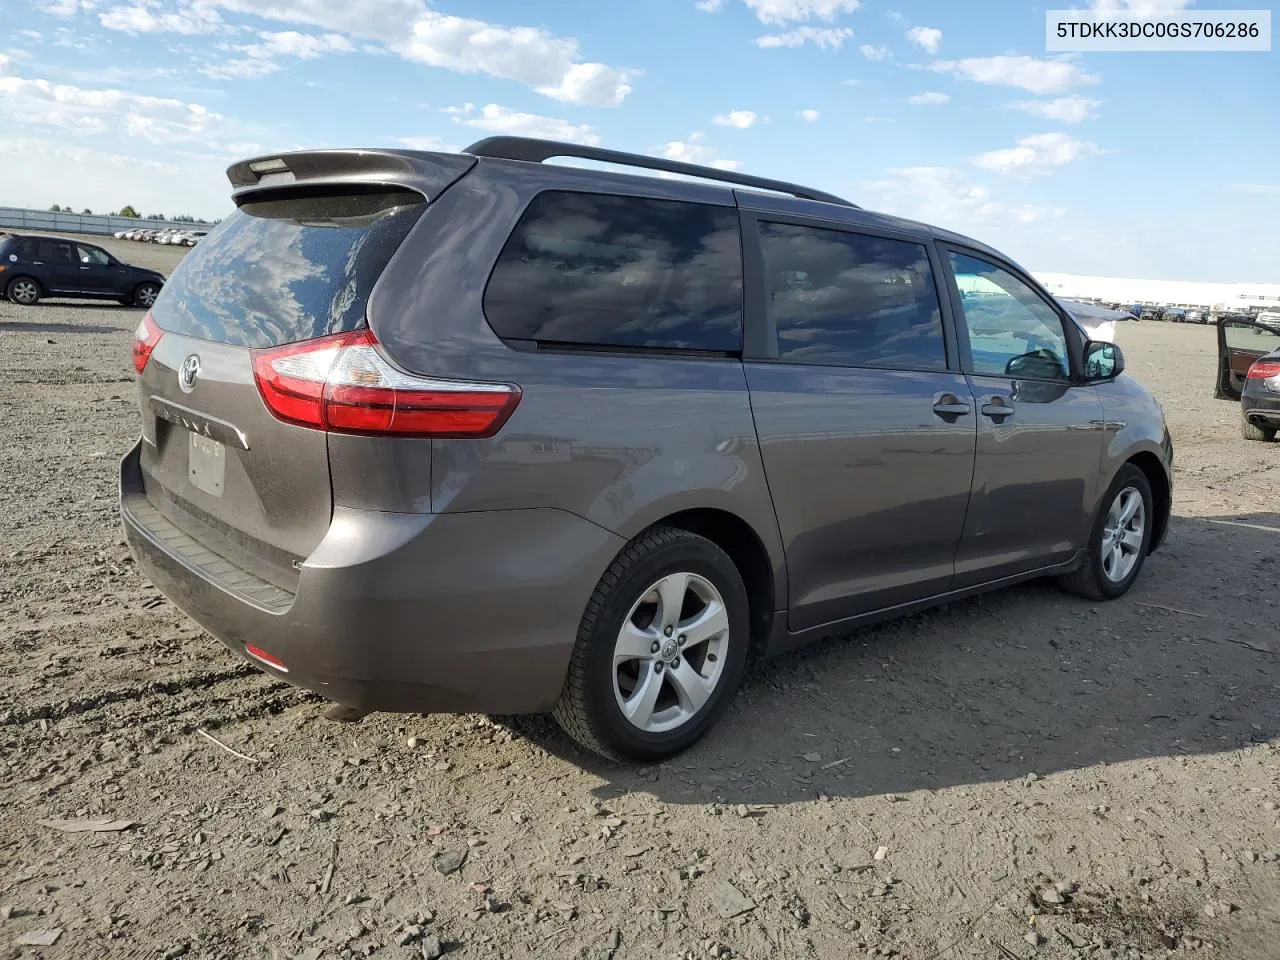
287	270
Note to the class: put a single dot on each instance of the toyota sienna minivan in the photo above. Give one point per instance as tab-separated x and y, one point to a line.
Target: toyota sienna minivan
476	432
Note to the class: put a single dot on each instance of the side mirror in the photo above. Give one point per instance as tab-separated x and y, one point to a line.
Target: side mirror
1102	361
1037	365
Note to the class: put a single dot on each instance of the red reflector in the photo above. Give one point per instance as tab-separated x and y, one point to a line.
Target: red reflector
1264	370
145	339
344	384
259	654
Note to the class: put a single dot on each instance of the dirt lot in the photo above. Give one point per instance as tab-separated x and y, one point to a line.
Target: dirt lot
915	790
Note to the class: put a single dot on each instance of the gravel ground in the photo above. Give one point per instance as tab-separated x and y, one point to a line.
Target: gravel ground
1021	775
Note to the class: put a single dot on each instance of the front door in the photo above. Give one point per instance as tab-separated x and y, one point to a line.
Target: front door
1040	433
1240	342
866	434
97	272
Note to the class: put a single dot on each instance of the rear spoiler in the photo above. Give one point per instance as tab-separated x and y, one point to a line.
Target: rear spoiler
429	174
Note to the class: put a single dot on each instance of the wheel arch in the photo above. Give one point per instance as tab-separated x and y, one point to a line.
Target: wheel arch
1161	493
747	550
25	276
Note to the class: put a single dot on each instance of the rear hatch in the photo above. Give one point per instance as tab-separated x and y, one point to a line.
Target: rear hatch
215	462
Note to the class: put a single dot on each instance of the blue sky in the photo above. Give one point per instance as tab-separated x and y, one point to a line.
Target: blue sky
1160	165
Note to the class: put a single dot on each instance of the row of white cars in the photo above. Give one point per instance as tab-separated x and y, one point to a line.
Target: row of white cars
173	236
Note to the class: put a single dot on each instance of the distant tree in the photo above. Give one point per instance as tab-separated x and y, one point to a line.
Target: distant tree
55	209
128	211
87	212
156	216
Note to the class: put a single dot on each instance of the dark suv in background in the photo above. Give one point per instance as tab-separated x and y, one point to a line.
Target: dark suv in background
35	267
472	432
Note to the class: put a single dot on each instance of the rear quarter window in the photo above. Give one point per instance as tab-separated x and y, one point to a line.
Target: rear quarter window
282	271
623	272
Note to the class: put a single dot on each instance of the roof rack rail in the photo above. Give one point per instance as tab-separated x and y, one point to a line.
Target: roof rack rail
536	151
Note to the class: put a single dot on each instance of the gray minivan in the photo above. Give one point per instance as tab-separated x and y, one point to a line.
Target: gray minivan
475	432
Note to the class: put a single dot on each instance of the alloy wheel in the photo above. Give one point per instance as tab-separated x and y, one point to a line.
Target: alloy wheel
25	291
670	653
1123	534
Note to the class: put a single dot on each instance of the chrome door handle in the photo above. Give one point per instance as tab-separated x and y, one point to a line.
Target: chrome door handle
997	408
948	406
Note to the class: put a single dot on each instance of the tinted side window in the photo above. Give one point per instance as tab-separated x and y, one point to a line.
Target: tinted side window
846	299
27	248
602	270
93	255
1013	332
54	251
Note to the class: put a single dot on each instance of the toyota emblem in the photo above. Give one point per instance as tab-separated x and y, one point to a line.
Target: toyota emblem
188	372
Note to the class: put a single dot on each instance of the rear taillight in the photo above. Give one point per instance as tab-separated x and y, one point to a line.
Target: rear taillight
342	383
1264	370
145	339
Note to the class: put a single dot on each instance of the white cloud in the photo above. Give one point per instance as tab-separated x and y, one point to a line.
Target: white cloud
796	11
188	19
388	20
83	111
928	39
929	99
306	46
260	59
1071	109
880	52
431	144
528	55
66	9
736	118
832	38
1035	76
1257	189
552	65
941	195
38	172
809	116
498	119
246	68
1143	7
710	6
695	150
1035	155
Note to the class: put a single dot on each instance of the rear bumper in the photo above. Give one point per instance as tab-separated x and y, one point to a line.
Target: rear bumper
400	612
1261	411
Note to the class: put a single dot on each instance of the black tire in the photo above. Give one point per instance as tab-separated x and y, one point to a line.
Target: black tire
140	294
29	287
1253	432
588	709
1090	579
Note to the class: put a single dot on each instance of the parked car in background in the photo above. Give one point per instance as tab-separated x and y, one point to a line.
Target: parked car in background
1151	312
1099	323
1269	318
1249	371
1174	314
1194	315
532	437
33	267
192	237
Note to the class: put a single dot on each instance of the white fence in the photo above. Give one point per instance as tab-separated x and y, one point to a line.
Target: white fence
46	221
